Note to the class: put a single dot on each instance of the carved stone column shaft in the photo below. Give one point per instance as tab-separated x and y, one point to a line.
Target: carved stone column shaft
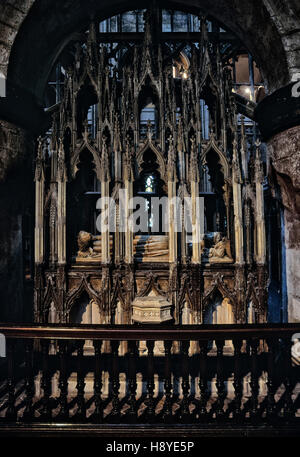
105	239
197	222
39	217
237	204
61	206
172	222
260	209
128	233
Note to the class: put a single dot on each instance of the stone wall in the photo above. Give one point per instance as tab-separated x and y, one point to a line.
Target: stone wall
13	12
16	150
285	156
286	17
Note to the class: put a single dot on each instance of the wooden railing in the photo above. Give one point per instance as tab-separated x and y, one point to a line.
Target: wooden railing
193	375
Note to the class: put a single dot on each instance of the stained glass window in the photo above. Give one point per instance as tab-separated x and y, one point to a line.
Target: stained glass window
149	187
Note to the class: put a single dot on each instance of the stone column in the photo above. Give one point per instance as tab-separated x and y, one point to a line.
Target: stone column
260	209
197	213
128	233
172	203
53	202
105	239
61	205
128	184
39	206
284	151
117	237
105	180
117	187
237	203
197	222
172	222
182	191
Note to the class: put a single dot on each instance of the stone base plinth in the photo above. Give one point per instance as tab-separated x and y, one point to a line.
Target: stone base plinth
151	310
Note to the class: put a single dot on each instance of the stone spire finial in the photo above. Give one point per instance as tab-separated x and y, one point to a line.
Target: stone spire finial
235	160
149	131
86	132
194	163
171	160
117	136
61	165
180	137
92	46
244	148
105	161
259	172
39	163
92	34
128	160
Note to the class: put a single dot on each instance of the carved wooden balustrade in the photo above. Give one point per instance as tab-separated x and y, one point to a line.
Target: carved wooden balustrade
200	375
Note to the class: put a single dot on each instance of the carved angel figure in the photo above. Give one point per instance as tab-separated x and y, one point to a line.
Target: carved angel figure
220	252
84	241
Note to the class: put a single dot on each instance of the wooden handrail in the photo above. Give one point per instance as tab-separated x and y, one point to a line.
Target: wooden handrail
149	332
